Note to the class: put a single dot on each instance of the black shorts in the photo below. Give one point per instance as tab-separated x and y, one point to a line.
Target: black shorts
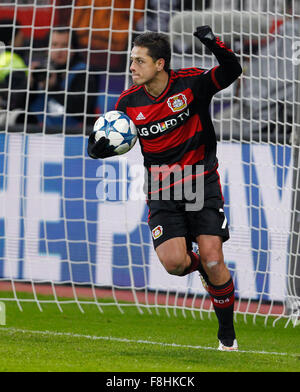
169	218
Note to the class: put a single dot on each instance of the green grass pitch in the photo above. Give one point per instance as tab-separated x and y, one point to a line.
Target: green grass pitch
72	341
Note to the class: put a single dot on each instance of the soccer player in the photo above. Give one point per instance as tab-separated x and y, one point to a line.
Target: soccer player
171	112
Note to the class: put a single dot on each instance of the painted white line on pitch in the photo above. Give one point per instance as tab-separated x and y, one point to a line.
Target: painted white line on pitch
124	340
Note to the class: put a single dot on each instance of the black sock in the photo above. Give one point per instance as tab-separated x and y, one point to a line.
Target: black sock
195	261
222	298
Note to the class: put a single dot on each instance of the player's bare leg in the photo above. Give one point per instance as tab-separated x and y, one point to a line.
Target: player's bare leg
212	258
173	255
177	260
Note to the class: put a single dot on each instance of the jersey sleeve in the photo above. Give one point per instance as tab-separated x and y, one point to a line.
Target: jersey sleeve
208	83
222	75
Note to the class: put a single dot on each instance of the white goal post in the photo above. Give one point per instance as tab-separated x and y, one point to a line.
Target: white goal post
76	228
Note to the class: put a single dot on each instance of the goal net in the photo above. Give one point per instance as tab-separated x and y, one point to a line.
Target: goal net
75	229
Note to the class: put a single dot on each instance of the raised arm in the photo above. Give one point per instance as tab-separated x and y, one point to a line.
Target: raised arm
229	69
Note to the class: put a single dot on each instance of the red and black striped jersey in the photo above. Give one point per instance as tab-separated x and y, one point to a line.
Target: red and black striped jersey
175	128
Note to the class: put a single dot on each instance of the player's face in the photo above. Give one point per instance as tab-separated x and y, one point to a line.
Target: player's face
143	68
59	48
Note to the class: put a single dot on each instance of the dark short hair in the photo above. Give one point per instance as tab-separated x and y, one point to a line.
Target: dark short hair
158	46
74	36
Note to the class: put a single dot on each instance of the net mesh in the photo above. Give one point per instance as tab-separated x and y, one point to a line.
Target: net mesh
76	229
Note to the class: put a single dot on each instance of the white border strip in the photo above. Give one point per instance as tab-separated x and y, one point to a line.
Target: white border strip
124	340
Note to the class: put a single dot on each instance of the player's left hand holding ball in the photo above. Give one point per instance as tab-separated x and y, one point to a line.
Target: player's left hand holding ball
100	148
114	133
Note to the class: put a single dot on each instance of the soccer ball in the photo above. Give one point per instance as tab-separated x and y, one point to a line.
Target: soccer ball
118	128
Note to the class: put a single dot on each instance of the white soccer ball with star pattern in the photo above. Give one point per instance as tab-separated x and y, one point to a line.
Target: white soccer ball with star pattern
118	128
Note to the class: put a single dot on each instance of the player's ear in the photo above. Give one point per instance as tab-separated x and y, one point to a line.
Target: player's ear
160	63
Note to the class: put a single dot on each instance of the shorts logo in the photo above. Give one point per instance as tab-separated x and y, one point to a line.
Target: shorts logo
157	232
177	103
225	219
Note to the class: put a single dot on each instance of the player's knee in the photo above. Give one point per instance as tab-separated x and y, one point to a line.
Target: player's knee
212	265
216	270
212	260
174	262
